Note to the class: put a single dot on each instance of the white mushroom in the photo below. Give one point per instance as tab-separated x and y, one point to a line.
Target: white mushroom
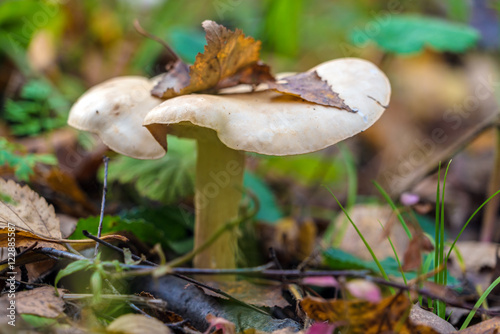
265	122
114	110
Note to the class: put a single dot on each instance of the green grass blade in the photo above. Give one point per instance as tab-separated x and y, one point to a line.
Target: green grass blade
468	221
397	259
443	273
479	302
395	255
394	208
352	188
382	271
436	235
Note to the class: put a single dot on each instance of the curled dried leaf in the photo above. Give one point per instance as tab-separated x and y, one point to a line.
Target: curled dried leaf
390	315
226	53
310	87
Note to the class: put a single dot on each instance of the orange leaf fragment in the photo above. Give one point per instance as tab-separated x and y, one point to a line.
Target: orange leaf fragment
226	53
390	315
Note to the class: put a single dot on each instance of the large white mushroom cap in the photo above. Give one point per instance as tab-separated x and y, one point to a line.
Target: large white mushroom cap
271	123
114	110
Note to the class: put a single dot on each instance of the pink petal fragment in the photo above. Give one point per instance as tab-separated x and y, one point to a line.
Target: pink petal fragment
321	328
226	326
409	199
322	281
365	290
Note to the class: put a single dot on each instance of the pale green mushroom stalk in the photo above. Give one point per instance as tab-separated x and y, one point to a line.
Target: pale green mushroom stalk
225	126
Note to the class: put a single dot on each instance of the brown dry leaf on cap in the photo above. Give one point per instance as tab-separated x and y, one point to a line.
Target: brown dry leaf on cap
40	301
388	316
231	59
226	53
137	324
310	87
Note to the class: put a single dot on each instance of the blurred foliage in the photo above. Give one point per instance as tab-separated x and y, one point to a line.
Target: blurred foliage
39	110
168	226
338	259
12	155
405	34
307	169
269	210
166	179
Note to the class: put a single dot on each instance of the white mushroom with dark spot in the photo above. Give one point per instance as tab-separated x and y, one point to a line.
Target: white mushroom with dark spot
114	110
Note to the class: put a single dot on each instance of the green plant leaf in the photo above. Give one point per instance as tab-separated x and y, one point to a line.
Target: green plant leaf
406	34
71	268
166	226
338	259
269	211
167	179
38	322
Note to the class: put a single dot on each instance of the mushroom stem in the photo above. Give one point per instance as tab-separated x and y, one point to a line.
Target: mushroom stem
219	177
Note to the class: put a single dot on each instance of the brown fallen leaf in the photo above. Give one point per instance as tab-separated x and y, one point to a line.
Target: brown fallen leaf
419	316
27	219
225	54
491	326
258	295
40	301
253	74
310	87
137	324
413	255
388	316
29	215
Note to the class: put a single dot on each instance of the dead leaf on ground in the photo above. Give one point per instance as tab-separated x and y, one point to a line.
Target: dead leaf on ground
390	315
310	87
40	301
258	295
137	324
33	219
226	53
419	316
420	243
491	326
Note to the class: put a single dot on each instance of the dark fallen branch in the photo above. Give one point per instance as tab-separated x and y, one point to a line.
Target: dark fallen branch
274	274
194	305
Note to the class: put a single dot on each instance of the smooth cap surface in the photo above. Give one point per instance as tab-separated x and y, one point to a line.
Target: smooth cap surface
115	110
271	123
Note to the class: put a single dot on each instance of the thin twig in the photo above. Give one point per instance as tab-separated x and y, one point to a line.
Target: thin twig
118	249
174	57
103	202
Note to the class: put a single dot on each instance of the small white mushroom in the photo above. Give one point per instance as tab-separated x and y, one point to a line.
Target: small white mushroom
114	110
265	122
